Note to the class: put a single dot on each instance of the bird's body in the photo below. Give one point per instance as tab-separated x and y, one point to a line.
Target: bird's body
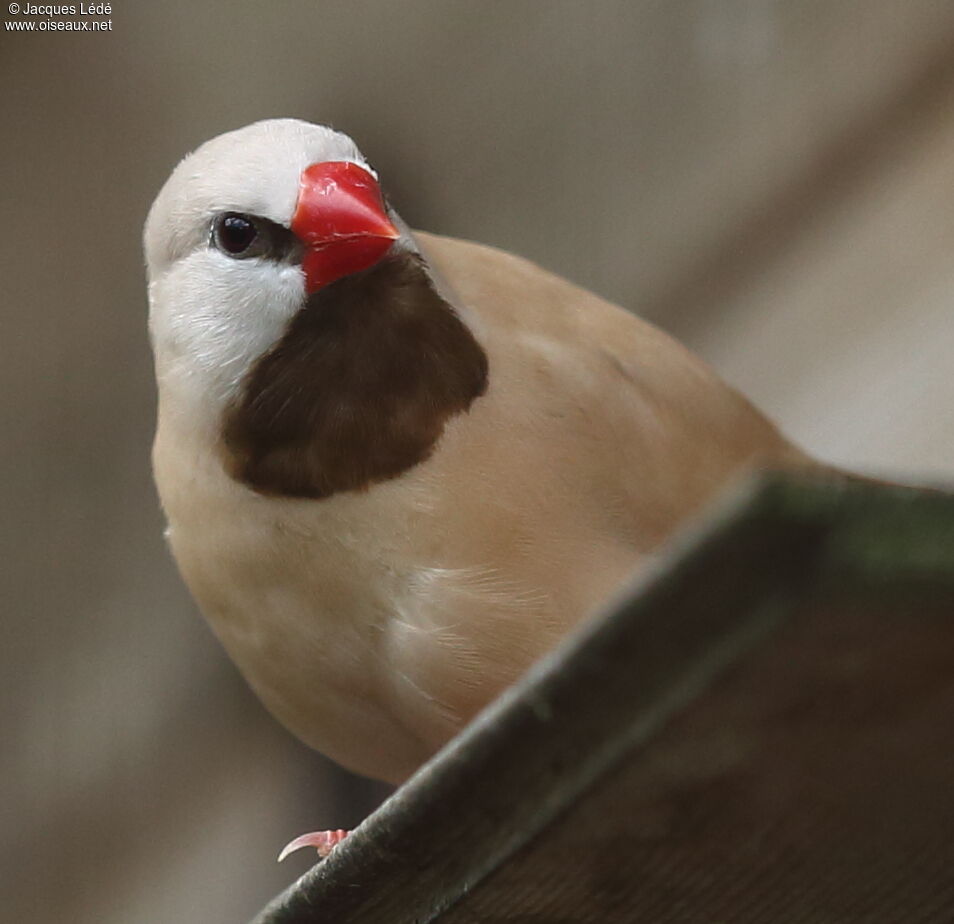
551	442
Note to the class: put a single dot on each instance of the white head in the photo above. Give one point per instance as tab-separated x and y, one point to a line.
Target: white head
299	334
212	314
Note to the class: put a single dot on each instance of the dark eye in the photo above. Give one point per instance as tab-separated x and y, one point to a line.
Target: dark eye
235	234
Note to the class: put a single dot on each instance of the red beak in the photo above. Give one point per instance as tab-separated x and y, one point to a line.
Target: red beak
341	220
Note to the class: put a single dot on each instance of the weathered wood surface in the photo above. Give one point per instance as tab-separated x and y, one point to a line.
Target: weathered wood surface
762	730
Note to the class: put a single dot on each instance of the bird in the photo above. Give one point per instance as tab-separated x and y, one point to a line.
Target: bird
398	468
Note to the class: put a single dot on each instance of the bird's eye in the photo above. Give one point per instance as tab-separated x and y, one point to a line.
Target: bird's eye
235	234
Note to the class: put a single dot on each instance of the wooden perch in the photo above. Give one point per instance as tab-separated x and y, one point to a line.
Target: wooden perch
762	730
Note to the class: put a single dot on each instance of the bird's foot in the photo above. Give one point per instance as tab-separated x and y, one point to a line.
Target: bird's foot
323	841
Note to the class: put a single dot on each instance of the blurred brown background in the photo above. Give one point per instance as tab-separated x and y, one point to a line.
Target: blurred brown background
772	181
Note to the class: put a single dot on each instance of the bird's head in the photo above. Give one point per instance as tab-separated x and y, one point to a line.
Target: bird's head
246	228
290	306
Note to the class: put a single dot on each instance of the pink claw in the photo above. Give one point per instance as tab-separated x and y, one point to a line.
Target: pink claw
323	841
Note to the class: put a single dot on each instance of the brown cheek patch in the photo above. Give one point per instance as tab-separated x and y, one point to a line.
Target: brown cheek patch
358	389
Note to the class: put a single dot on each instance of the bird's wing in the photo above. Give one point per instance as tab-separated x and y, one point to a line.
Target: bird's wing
596	402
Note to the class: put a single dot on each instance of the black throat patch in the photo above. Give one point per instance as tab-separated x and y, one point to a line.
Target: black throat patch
359	387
